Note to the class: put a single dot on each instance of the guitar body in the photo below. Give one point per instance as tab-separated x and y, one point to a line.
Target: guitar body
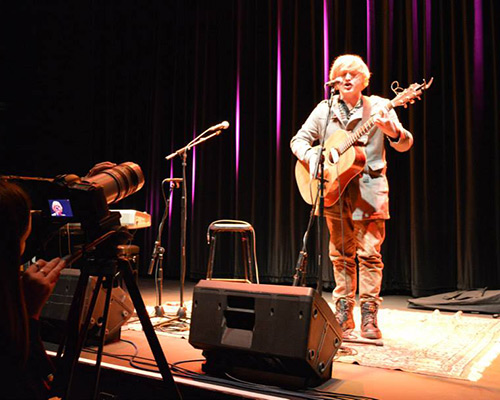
338	175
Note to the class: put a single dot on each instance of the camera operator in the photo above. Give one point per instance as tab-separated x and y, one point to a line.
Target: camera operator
27	370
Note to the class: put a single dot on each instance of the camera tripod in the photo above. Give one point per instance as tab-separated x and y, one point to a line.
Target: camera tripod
105	268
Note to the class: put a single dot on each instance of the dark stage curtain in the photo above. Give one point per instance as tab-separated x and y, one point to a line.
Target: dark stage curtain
87	81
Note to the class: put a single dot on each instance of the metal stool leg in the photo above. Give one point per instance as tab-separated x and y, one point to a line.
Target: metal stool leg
254	257
247	256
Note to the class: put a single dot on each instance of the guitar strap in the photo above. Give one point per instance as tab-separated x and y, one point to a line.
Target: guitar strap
367	110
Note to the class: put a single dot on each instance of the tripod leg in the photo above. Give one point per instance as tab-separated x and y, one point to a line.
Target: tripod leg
149	331
76	337
105	315
72	327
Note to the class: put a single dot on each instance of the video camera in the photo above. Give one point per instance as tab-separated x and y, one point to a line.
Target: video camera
71	199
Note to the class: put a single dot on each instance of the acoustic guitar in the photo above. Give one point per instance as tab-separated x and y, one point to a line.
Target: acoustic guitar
343	160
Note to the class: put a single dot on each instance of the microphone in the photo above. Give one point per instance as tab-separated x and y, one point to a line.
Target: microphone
218	127
176	180
153	259
214	130
333	82
173	181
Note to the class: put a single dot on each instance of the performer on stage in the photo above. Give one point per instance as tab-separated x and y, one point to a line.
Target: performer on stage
358	227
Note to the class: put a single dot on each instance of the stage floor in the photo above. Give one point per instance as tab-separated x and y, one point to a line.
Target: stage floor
347	379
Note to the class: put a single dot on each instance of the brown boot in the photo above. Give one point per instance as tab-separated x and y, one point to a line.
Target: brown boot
369	326
344	316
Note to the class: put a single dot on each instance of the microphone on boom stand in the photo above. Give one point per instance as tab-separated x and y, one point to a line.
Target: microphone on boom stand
159	251
182	153
300	269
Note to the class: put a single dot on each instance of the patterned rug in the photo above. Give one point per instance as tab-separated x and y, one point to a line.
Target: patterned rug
446	345
439	344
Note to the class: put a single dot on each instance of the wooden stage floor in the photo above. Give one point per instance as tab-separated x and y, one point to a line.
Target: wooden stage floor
348	380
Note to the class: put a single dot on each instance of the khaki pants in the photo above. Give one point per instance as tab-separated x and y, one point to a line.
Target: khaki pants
364	240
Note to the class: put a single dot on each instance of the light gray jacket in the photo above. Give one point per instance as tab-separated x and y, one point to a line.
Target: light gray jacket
367	195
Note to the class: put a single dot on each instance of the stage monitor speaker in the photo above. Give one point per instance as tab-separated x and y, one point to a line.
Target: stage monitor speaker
267	333
55	312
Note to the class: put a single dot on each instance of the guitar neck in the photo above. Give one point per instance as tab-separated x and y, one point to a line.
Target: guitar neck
362	130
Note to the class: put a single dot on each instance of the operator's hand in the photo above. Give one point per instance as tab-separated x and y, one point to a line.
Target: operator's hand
38	282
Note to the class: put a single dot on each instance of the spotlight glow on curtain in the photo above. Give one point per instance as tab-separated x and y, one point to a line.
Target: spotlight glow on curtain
326	55
193	175
478	56
171	174
428	30
278	87
237	127
369	24
237	116
416	62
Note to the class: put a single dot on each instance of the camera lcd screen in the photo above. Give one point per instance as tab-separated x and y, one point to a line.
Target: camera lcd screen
60	208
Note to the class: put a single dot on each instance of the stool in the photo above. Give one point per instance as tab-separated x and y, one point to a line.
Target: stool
247	234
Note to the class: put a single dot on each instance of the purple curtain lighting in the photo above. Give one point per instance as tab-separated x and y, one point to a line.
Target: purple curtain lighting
237	125
326	46
416	44
193	177
237	108
171	174
369	25
478	58
428	39
278	87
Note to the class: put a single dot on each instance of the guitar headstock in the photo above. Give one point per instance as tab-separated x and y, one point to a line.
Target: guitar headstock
408	95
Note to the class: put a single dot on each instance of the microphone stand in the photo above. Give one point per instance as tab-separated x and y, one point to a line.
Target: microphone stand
182	152
159	251
181	312
301	266
299	276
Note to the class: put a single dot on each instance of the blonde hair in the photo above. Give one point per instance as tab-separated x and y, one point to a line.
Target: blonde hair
350	62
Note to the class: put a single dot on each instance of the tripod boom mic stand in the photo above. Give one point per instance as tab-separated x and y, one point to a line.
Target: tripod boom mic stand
299	277
159	251
182	152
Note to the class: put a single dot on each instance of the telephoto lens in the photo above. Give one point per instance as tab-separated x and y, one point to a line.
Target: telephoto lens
119	182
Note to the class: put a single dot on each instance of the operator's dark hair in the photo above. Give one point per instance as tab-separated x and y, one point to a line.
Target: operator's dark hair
15	208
